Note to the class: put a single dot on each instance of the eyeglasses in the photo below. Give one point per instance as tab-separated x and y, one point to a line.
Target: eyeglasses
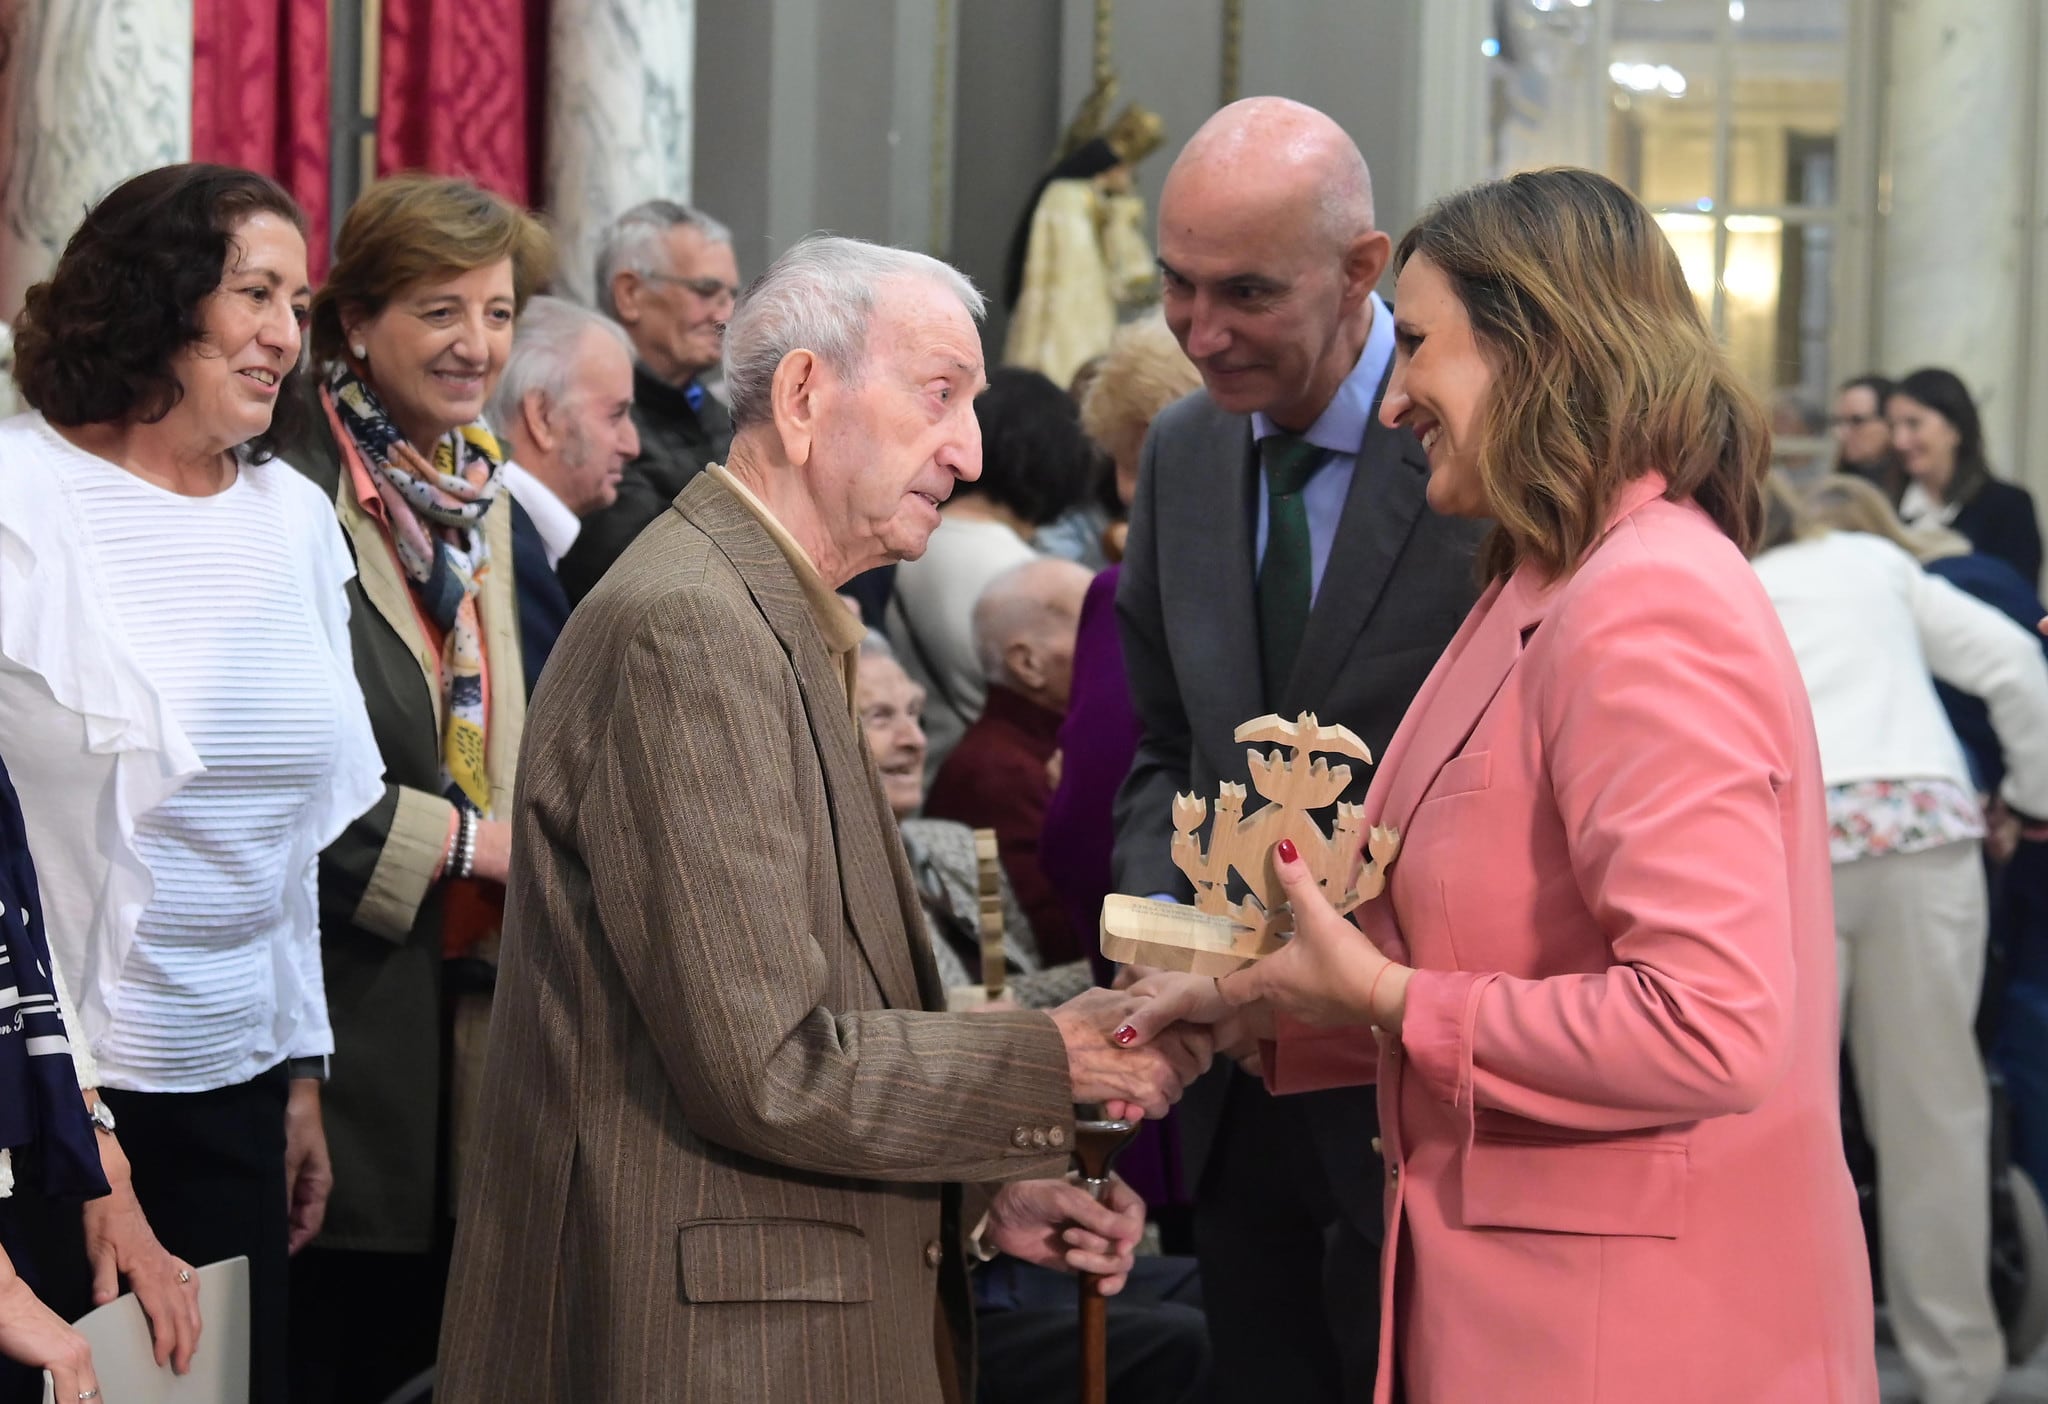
710	289
1854	421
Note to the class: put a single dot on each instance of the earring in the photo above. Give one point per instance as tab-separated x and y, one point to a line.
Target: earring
360	353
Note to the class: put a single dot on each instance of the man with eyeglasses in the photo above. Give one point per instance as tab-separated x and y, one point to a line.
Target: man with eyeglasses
1863	441
666	273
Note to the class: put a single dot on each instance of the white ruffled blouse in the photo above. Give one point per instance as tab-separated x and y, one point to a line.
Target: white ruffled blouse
98	751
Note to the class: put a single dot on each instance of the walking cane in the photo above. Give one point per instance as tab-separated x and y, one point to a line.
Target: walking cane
1096	1144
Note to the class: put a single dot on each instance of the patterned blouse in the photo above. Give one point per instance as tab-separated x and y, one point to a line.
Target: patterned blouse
1871	818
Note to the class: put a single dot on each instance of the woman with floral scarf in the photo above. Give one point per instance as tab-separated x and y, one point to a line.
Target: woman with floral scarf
409	335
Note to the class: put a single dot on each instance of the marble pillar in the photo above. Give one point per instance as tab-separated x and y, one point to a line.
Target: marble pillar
620	79
91	92
1954	242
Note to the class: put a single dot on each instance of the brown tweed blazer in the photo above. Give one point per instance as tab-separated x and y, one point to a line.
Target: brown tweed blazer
719	1122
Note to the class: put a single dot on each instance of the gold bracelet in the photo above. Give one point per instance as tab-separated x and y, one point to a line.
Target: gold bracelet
1372	995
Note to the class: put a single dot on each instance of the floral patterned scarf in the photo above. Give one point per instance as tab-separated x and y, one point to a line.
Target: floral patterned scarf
436	514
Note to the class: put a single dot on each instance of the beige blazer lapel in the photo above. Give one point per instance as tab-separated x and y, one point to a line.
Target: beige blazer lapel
498	612
384	585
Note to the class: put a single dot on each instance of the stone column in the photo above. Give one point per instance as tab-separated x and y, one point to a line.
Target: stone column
91	92
620	80
1954	242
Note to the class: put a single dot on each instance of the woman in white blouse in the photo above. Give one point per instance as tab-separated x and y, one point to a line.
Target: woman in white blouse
183	724
1871	630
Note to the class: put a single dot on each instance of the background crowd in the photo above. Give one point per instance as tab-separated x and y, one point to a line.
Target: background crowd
282	564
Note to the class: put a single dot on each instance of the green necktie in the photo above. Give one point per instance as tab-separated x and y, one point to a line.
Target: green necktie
1286	581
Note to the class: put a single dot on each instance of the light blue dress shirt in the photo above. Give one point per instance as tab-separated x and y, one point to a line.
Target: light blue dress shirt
1339	429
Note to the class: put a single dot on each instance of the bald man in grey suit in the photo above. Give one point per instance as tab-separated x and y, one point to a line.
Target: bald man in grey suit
1281	559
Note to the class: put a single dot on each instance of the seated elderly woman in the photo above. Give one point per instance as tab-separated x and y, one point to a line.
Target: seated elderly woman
410	334
942	853
184	727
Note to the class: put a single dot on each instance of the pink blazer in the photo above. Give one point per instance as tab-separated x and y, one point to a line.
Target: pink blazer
1613	1143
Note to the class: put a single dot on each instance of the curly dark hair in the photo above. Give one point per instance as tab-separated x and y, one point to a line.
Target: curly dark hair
1036	459
95	341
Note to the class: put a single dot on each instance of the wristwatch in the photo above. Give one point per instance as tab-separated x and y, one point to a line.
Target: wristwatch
102	1115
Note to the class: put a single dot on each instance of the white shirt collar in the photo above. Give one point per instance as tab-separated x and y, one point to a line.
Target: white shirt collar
1918	507
557	525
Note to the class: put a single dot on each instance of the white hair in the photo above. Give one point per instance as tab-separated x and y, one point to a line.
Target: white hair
820	297
634	243
1022	601
543	357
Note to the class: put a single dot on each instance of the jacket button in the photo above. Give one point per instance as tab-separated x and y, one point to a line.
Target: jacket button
932	1253
1058	1137
1039	1137
1394	1173
1377	1148
1021	1137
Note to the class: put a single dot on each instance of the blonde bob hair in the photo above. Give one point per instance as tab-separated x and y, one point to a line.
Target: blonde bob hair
1604	369
408	228
1844	503
1143	371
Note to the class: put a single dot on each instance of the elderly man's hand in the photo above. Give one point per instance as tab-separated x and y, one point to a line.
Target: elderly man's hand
1056	1224
1149	1078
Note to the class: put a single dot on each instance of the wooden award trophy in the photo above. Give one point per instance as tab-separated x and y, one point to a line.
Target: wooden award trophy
1217	935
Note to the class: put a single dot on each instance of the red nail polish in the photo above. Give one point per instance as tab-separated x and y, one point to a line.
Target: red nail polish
1125	1035
1288	854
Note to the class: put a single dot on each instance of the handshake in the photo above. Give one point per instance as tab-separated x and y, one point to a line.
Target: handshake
1136	1048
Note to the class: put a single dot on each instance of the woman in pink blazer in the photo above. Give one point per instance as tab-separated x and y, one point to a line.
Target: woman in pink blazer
1599	994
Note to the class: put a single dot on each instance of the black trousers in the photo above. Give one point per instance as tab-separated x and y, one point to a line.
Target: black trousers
365	1323
1029	1349
208	1170
1290	1280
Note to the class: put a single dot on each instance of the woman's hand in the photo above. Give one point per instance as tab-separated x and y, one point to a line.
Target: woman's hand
119	1243
1329	972
493	858
37	1337
308	1173
1171	997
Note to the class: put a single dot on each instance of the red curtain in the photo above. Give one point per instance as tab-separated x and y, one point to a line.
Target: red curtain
260	98
462	92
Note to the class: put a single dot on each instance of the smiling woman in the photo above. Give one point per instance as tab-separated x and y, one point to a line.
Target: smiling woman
185	731
410	335
1598	994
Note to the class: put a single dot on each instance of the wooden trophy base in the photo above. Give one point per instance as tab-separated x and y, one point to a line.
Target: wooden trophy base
1167	936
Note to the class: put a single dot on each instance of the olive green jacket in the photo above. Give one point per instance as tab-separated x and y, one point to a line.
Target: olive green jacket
380	908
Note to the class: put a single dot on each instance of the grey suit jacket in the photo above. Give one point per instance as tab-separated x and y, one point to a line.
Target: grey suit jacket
1400	581
719	1122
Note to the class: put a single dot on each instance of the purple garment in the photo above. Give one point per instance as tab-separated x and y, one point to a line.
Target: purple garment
1098	742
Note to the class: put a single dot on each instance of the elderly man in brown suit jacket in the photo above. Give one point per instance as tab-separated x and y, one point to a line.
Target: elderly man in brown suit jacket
725	1133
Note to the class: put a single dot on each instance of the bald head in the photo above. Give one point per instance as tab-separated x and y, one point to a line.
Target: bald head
1278	154
1024	626
1268	257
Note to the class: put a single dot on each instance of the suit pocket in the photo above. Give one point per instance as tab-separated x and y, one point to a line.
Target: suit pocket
1623	1188
1461	775
774	1260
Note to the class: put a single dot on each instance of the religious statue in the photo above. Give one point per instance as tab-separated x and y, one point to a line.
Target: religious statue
1078	262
